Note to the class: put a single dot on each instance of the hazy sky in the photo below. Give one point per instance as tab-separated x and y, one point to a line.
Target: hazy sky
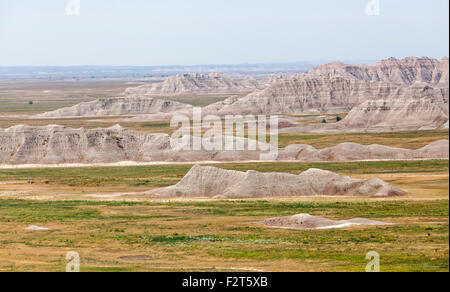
188	32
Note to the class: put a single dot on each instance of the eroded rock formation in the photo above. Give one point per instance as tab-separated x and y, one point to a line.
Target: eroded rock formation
356	152
228	184
397	115
403	72
62	145
306	95
193	83
116	107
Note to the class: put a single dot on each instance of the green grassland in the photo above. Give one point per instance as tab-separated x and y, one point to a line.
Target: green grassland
47	95
220	236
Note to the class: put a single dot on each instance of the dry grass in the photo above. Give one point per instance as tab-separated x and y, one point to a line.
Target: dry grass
409	140
49	95
219	235
132	232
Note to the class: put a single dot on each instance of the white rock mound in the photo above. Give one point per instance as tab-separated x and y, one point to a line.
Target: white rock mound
58	145
55	144
121	106
305	94
356	152
405	72
228	184
193	83
397	115
306	221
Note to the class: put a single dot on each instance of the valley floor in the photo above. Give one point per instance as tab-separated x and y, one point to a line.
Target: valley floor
98	213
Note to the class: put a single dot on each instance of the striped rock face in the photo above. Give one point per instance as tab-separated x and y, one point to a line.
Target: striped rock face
54	144
398	115
305	94
120	106
403	72
192	83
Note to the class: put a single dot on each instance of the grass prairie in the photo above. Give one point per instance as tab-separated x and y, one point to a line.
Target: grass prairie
132	232
409	140
220	236
47	95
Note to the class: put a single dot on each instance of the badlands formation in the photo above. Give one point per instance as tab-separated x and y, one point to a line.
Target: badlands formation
121	106
414	90
212	182
54	144
356	152
306	94
397	115
338	86
57	145
62	145
192	83
306	221
404	72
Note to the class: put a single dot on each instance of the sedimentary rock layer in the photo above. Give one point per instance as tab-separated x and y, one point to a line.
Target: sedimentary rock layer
357	152
117	107
305	94
192	83
223	184
56	145
327	88
398	115
62	145
403	72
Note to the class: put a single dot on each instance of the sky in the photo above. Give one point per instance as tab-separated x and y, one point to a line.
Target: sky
193	32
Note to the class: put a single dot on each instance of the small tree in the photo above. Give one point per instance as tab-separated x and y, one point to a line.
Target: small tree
338	119
324	121
30	102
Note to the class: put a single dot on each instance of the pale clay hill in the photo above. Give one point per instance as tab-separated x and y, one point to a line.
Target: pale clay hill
54	144
290	96
62	145
356	152
403	72
193	83
120	106
397	115
306	221
305	95
394	95
212	182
